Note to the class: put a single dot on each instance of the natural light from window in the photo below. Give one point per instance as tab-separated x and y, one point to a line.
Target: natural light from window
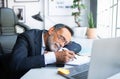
108	17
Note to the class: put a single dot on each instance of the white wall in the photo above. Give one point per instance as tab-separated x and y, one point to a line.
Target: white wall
69	20
32	8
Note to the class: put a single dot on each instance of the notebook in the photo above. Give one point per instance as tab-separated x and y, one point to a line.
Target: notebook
104	61
79	60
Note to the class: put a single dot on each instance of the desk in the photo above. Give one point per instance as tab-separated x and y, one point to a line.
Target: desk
49	72
116	76
43	73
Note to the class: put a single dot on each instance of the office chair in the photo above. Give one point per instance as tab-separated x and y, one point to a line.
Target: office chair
8	34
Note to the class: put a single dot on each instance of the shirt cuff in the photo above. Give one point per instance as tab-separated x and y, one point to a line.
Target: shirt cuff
50	58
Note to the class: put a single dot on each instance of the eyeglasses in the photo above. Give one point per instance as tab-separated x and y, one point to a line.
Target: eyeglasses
61	38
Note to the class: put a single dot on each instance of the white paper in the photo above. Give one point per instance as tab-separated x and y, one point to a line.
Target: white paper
79	60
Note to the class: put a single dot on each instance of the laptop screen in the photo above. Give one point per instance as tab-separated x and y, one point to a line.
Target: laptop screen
105	58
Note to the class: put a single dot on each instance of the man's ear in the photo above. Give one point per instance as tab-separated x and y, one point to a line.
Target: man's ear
51	30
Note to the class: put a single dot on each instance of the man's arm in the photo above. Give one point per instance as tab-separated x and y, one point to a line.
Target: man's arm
23	57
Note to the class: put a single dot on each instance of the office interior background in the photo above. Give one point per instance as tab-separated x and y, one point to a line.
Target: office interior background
106	14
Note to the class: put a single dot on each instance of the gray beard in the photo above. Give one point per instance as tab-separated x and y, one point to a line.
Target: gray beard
52	46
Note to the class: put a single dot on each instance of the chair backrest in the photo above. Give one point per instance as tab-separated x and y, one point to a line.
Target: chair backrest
8	35
8	20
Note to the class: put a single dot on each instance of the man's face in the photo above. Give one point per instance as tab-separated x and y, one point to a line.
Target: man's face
58	39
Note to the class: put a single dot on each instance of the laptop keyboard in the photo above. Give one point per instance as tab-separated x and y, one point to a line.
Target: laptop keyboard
82	75
79	72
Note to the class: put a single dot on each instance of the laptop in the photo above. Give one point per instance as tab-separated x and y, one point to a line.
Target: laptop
104	62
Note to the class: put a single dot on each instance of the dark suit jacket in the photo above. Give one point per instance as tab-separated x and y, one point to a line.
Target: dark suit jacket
27	52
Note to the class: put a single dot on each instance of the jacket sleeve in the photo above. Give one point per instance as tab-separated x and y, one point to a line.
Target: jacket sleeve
23	57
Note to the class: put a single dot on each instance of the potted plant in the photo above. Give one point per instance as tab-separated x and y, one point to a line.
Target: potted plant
91	31
77	6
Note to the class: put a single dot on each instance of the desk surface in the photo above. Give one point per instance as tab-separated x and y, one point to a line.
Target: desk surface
49	72
43	73
116	76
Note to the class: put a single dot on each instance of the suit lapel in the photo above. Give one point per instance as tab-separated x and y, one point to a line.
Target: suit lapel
38	43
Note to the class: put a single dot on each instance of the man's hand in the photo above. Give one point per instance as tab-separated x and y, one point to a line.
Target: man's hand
64	56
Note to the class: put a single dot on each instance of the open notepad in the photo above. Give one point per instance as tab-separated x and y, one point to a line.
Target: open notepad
79	60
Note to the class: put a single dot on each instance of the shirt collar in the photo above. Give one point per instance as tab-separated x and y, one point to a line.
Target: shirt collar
43	42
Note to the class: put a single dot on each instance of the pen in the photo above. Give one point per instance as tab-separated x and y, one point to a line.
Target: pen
75	57
78	54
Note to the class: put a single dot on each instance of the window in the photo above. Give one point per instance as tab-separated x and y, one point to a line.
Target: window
108	15
118	21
